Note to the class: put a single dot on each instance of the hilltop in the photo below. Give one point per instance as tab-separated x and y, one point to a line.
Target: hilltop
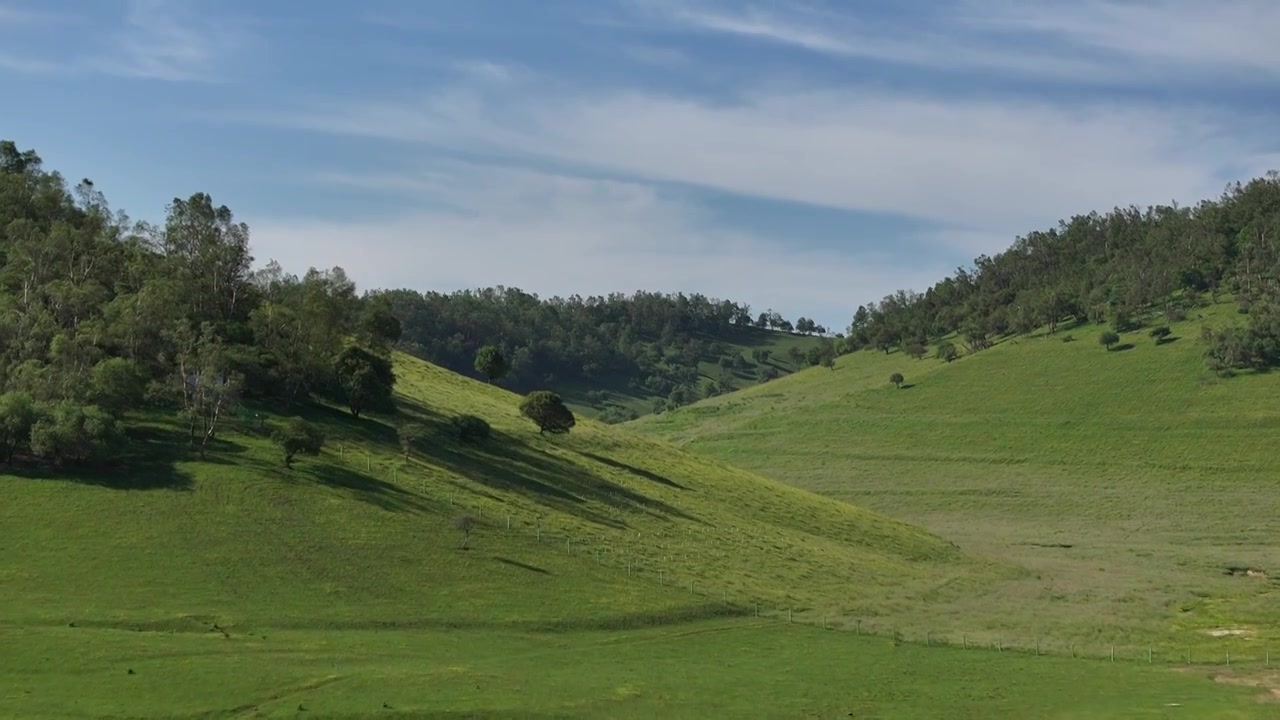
615	357
1135	483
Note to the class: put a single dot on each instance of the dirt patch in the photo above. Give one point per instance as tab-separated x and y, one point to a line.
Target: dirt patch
1230	632
1268	681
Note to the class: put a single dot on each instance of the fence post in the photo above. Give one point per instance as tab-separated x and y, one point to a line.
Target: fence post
508	522
1268	658
757	609
1228	658
964	641
368	461
859	627
1148	655
788	614
1113	653
1037	648
928	639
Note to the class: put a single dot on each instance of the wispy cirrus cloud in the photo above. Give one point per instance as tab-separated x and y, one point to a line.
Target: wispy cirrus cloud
171	40
167	40
961	162
1104	42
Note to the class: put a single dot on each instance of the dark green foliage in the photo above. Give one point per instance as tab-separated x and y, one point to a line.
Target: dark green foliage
366	380
491	363
378	323
916	350
896	379
298	437
1160	333
1108	338
946	351
769	373
472	428
1254	346
117	385
17	416
547	410
615	414
68	433
1117	268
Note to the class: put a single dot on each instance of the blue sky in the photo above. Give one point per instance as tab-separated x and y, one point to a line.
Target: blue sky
806	155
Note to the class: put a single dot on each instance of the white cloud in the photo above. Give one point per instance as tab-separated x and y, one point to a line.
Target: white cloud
972	164
171	40
557	234
1094	41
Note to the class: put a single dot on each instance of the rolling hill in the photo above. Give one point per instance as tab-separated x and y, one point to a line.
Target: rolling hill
1137	487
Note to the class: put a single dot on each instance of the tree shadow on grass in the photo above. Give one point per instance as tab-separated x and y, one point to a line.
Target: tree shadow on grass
1123	348
523	566
379	493
1170	339
504	462
647	474
906	386
149	463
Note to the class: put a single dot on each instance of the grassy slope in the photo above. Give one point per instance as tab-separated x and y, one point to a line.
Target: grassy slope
1157	476
232	587
741	341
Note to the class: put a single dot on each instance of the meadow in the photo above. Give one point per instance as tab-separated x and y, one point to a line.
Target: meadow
1136	488
608	575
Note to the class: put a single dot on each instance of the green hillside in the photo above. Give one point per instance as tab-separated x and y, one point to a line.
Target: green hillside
232	586
1138	488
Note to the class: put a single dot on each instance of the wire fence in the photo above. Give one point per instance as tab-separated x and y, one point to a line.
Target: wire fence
661	566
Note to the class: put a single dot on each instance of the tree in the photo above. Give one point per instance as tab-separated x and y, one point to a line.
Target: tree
472	428
208	390
117	385
916	350
946	351
378	324
72	433
547	410
1160	333
1108	338
17	416
410	436
465	524
297	436
897	380
366	379
491	363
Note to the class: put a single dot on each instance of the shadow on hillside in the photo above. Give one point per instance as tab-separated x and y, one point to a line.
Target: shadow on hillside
149	463
523	566
364	488
646	474
1123	348
906	386
1170	339
507	463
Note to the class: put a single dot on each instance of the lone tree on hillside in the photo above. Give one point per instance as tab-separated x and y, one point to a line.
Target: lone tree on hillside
298	437
366	379
547	410
947	352
465	524
1161	333
491	363
916	350
896	379
1108	338
410	436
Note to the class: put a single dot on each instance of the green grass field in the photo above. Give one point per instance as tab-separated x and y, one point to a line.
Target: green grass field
719	669
232	587
736	341
1137	489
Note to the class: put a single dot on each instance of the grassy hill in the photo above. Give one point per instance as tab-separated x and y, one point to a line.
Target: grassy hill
233	587
1138	489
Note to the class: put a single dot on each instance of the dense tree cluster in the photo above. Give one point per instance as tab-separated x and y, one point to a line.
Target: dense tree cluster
100	315
654	341
1119	268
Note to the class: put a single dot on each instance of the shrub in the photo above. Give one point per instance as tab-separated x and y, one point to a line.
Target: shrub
547	410
897	380
946	352
1160	333
617	414
472	428
1108	338
297	436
